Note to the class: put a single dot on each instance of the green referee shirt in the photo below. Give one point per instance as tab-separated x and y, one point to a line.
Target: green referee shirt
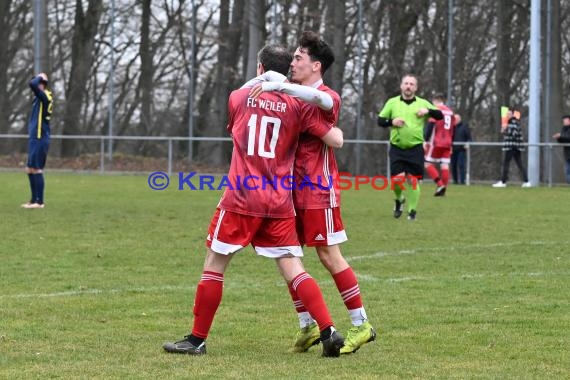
412	133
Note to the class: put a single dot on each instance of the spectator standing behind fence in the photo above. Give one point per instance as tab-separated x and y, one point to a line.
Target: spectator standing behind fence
461	136
564	137
39	137
513	147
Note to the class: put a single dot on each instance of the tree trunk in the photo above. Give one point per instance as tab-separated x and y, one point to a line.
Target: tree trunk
556	94
256	17
401	22
218	115
312	16
504	54
83	39
45	56
335	35
147	73
4	65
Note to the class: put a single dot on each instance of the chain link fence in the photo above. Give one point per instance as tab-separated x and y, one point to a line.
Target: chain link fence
134	154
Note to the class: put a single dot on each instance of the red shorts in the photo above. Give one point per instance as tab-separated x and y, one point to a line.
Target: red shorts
437	154
320	227
271	237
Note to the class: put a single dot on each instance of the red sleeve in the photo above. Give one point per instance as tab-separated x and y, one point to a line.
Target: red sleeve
314	122
331	116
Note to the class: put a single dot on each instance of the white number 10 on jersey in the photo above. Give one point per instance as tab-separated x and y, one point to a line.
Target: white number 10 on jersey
252	124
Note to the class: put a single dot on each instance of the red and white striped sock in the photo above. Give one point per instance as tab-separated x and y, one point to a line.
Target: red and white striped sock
347	285
206	302
304	316
310	295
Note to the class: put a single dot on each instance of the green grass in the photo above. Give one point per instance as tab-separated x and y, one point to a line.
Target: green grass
91	286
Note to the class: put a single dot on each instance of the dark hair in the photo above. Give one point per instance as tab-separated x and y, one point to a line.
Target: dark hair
565	117
439	97
276	58
317	49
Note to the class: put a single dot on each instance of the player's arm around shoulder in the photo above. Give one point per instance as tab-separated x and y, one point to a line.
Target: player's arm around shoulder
268	76
308	94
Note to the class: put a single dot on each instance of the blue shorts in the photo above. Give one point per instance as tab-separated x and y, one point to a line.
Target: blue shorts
37	153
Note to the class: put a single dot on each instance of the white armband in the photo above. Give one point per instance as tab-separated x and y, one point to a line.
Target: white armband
306	93
268	76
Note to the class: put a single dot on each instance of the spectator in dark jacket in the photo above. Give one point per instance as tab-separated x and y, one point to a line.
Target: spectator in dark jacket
564	137
461	135
512	146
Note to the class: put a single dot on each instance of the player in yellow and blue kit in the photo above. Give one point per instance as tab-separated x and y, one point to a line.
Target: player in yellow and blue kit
39	137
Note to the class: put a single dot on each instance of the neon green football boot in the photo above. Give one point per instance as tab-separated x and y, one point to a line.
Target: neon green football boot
307	337
358	336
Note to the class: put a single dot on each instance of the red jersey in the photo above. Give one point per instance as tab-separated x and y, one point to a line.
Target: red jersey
265	133
442	133
315	165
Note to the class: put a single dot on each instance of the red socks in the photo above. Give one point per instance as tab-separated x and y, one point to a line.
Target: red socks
296	300
310	295
347	286
445	176
206	302
432	172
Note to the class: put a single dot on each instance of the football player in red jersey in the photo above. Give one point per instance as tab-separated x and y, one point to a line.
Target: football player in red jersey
317	199
259	211
438	135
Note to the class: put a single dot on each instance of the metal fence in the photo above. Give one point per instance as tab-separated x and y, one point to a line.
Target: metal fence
483	159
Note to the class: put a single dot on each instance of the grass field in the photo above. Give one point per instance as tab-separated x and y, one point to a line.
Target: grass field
91	286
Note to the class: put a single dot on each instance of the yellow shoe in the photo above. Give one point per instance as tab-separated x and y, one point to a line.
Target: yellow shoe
307	337
358	336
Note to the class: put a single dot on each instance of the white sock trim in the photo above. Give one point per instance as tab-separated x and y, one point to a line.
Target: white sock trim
305	319
358	316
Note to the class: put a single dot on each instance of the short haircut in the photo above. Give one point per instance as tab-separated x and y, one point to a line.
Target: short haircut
276	58
565	117
409	75
439	97
317	49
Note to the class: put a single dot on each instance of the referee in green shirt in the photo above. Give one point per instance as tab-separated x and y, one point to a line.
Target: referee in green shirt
406	115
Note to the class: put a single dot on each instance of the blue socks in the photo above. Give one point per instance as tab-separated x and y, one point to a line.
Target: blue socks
37	185
32	179
40	185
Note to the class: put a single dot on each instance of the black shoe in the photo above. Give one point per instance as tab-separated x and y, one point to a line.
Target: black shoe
399	207
332	345
185	347
440	191
412	215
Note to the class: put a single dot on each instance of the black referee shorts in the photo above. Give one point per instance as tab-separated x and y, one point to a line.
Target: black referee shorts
409	161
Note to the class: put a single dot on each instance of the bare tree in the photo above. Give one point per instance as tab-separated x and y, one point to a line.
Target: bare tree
147	70
335	26
257	33
86	24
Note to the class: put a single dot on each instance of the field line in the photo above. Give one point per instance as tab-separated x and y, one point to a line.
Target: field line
455	248
361	278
